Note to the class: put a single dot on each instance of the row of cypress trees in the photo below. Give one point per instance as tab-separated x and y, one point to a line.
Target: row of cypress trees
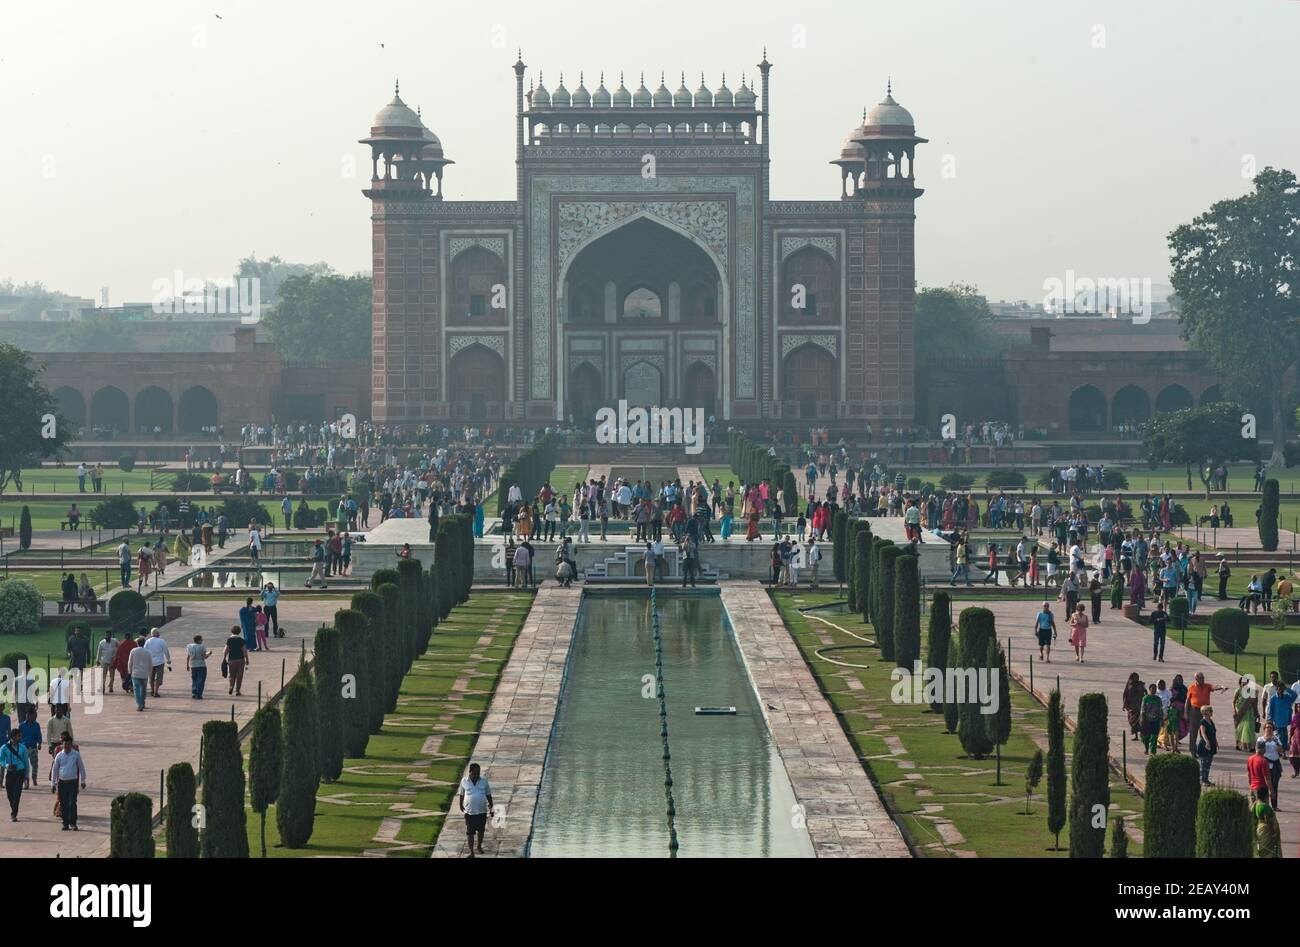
328	712
752	463
530	470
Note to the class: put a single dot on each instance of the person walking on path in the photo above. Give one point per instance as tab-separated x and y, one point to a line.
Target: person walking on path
17	769
31	737
160	657
1153	714
140	664
1134	691
1268	834
1079	632
475	800
122	661
1243	715
1273	751
104	658
1159	630
1258	772
196	662
124	563
235	658
1198	700
1045	630
1205	743
67	774
248	624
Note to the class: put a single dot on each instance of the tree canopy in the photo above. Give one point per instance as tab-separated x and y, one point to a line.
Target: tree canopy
954	320
23	429
273	272
1201	437
1234	268
322	319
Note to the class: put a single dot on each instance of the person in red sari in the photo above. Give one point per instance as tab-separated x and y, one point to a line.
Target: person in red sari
751	531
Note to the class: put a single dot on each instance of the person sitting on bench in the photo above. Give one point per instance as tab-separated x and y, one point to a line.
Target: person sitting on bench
69	588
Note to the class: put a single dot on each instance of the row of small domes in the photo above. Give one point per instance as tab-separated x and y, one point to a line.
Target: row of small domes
642	98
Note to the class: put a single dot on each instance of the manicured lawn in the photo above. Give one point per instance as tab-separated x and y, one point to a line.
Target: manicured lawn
565	478
349	812
723	474
901	742
1258	659
48	580
64	480
48	644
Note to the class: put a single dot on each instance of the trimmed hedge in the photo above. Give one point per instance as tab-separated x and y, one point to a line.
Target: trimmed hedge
295	809
379	678
265	762
884	620
1089	778
1225	825
1005	479
839	528
1268	510
1230	630
358	681
409	580
1178	611
447	561
127	610
224	833
327	673
1172	797
25	528
130	832
20	607
397	663
939	635
181	834
861	556
907	612
242	510
976	628
115	513
1288	661
530	470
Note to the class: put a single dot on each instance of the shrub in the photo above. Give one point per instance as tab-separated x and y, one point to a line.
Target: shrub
1089	778
976	631
182	836
128	609
1268	509
295	810
956	481
25	528
1225	825
1005	479
939	634
1178	611
1118	839
884	620
1230	630
861	557
380	678
191	483
1169	814
225	831
357	672
130	831
467	554
12	659
20	607
1288	661
1112	479
1033	776
907	612
876	580
914	484
327	671
241	510
126	462
115	513
1055	766
265	761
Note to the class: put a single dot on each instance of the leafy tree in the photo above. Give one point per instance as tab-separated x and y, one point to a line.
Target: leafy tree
22	426
1201	437
1170	805
1055	767
1233	268
225	828
1033	776
322	318
265	762
130	826
976	634
955	320
939	635
907	612
273	272
295	809
327	671
1089	778
182	836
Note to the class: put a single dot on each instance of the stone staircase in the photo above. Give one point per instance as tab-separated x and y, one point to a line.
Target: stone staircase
628	565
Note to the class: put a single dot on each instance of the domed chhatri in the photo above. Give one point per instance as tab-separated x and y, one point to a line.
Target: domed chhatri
723	98
622	97
396	115
703	97
682	97
560	97
663	98
601	98
889	114
642	98
745	97
581	97
541	97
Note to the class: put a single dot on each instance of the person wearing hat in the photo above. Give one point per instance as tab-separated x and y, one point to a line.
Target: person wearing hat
1206	743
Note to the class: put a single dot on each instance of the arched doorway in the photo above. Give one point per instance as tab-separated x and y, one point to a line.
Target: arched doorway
700	388
153	409
808	376
71	405
1212	395
1131	405
810	287
1173	398
586	393
109	408
198	409
643	385
1087	410
476	274
475	380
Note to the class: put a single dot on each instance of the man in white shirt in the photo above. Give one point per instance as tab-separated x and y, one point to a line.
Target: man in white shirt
475	799
514	495
813	556
158	657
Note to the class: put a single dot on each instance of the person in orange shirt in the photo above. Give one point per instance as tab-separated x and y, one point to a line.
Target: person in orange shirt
1198	696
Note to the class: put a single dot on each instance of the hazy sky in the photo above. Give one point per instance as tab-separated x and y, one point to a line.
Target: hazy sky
141	137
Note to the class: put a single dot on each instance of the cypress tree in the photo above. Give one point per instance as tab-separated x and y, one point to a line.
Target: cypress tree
357	682
1118	839
876	580
883	621
951	674
25	528
398	665
839	525
295	810
850	566
447	564
1268	509
864	575
1169	810
431	608
976	632
467	555
327	673
1055	767
408	571
998	724
1033	776
377	683
862	552
182	835
1225	825
907	612
938	636
224	831
265	763
1089	778
130	826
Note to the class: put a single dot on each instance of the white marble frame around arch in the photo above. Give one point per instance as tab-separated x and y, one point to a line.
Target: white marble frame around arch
561	380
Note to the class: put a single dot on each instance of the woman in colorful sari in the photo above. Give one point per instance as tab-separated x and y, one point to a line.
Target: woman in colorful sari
1151	714
524	524
1243	716
972	513
1134	691
751	532
1293	742
726	523
1138	589
478	519
948	521
1166	514
1268	834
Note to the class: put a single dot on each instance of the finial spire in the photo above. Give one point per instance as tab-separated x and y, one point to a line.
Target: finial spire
889	85
397	87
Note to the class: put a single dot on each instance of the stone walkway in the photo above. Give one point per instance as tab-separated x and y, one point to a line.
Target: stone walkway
516	732
846	817
1116	648
125	751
